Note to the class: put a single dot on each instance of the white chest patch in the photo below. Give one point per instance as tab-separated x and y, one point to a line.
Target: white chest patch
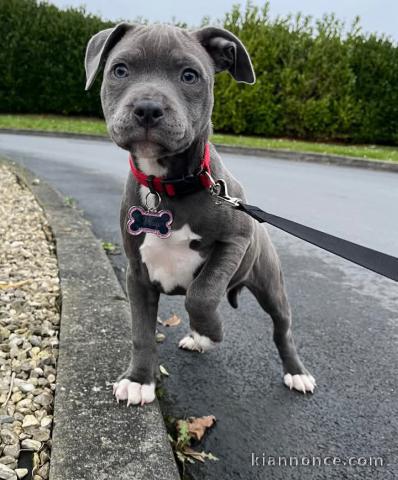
170	261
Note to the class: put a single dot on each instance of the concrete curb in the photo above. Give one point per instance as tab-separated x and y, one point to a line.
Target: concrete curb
258	152
93	437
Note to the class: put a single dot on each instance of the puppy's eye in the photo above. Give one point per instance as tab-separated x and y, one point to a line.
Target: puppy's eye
120	70
190	76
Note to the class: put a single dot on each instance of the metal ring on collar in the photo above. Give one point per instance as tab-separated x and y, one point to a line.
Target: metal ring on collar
156	202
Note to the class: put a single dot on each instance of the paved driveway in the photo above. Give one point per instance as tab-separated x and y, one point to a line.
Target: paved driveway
345	318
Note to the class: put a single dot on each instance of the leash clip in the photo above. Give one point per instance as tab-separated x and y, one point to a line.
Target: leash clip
220	191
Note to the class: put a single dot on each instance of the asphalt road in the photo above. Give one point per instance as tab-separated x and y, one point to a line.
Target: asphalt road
345	319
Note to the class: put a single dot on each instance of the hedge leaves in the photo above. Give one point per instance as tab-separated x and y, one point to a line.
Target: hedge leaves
315	80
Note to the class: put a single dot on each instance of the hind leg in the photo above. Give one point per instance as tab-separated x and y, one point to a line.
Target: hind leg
268	287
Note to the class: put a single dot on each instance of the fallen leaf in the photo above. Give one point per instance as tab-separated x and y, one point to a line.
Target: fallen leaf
198	426
163	371
210	456
173	321
201	456
190	452
187	431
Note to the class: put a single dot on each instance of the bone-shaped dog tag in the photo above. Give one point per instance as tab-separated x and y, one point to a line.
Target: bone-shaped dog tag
141	220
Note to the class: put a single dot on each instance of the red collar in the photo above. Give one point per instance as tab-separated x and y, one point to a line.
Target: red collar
176	186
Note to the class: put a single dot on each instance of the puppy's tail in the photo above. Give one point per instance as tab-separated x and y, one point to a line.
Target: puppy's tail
232	296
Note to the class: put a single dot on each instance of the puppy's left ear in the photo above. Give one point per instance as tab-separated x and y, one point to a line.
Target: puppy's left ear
227	53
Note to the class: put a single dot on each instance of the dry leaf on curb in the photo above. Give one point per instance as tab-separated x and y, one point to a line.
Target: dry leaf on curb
187	431
163	371
173	321
198	426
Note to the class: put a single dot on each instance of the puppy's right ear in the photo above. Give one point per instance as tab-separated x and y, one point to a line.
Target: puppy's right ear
98	48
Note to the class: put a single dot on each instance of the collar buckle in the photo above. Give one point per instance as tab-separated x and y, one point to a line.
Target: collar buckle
220	191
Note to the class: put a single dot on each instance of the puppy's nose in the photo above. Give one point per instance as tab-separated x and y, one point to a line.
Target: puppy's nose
148	113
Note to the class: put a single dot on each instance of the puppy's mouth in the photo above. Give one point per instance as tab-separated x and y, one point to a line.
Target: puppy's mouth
169	137
149	143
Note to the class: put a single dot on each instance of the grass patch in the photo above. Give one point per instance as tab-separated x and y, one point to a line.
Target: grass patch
70	202
92	126
368	152
53	123
110	248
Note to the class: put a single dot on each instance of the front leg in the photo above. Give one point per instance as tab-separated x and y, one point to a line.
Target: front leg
137	384
206	291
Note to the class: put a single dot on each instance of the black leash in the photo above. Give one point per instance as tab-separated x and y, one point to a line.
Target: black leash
378	262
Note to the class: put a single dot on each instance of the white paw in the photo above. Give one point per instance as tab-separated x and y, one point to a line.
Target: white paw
303	383
134	392
196	342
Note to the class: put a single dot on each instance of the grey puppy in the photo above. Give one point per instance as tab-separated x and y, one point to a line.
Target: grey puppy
157	98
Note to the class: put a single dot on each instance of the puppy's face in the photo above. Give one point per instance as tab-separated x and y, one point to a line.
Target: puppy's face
157	90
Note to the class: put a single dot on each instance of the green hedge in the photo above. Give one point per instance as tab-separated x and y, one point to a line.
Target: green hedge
314	80
41	59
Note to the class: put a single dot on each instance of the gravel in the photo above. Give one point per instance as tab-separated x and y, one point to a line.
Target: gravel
29	326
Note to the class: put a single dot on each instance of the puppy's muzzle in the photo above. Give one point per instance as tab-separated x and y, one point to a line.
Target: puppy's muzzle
148	113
